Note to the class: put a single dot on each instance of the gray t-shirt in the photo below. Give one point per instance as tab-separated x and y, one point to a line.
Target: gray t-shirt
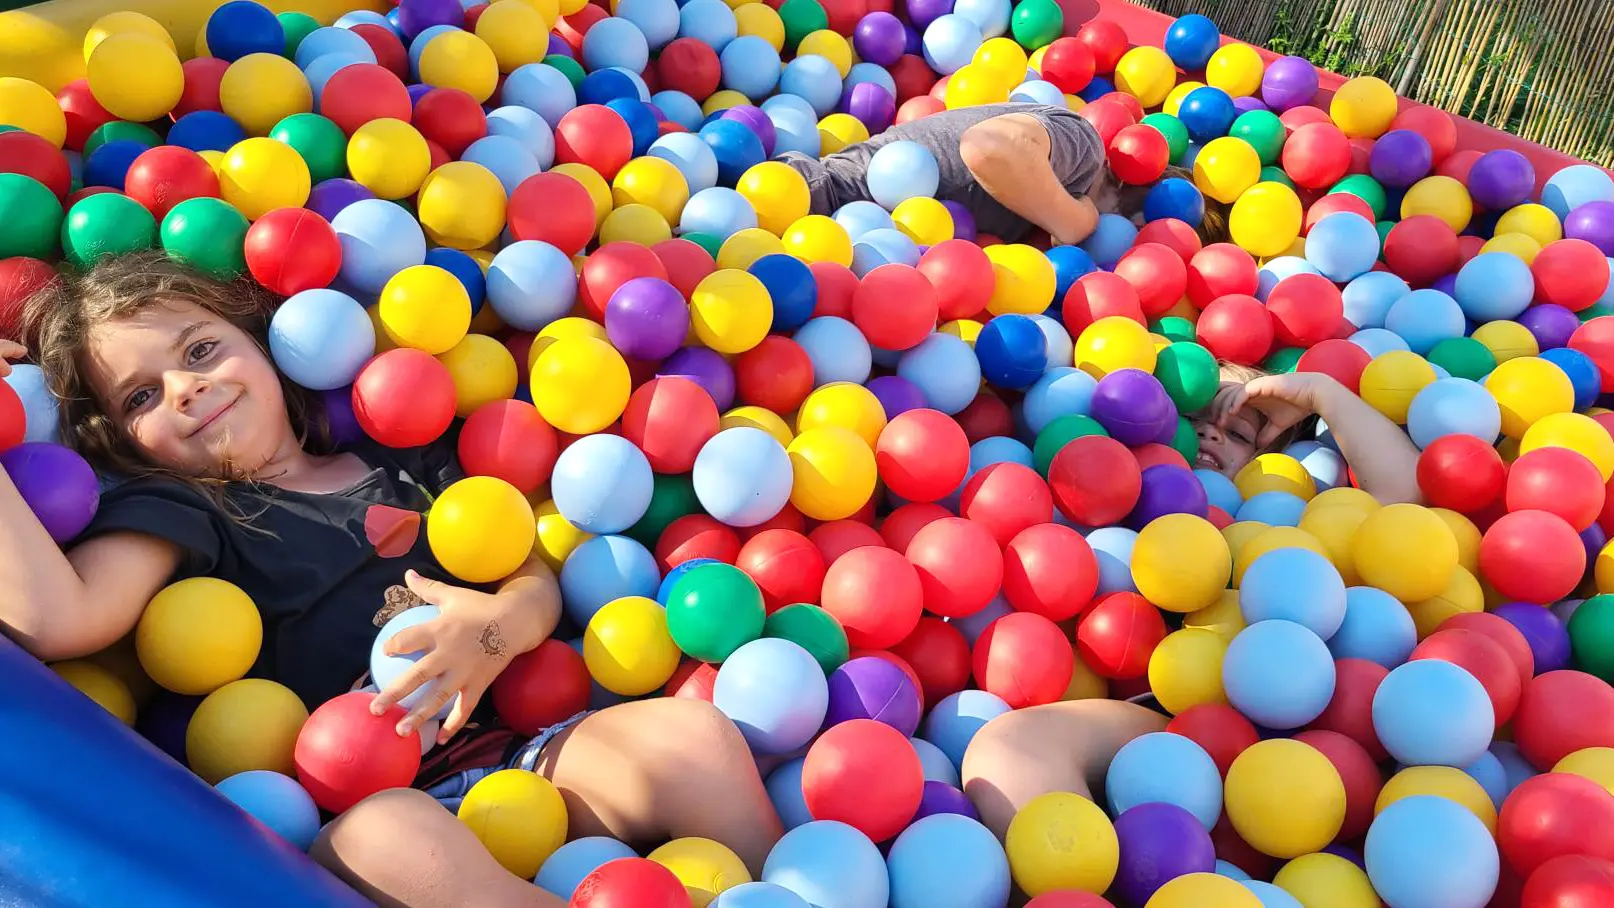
1076	153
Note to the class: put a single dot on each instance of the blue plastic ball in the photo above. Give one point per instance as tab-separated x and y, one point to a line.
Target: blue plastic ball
1110	240
1424	318
366	17
1451	406
792	288
563	870
276	801
711	22
657	20
750	66
814	78
950	42
39	405
794	130
945	369
1278	674
1037	91
759	895
1166	768
615	41
679	570
936	765
641	120
1323	464
862	216
320	339
775	692
527	127
602	569
1112	549
331	40
241	27
839	352
530	284
947	861
784	790
1277	269
506	157
1207	113
1574	186
1368	298
603	86
542	88
1277	509
1060	347
1061	391
693	158
385	669
1098	88
736	147
1377	627
717	210
1231	871
1271	896
1582	371
207	130
1191	40
1513	763
680	108
602	483
1220	490
990	16
379	239
1070	263
1492	776
1378	341
1012	351
829	863
972	626
109	164
1176	198
871	72
1431	852
954	720
1343	246
1294	584
1433	713
883	246
902	170
742	476
1493	286
417	44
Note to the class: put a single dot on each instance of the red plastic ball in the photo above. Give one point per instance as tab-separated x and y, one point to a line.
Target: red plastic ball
555	209
390	52
1334	203
901	525
84	114
1481	657
786	566
1006	498
1553	815
836	285
864	773
1339	359
1502	633
895	307
1131	103
1138	154
691	66
669	419
961	275
1069	64
1350	710
509	440
1459	163
1532	556
1174	235
1220	729
361	92
290	250
838	537
1049	570
1559	481
451	118
13	418
201	91
1357	770
1158	274
608	268
694	680
696	536
687	263
914	80
1570	881
1317	155
20	278
1095	480
1570	273
572	28
541	687
1460	472
1561	712
960	568
343	754
1304	115
1434	124
1236	328
844	14
1117	637
630	882
25	153
162	177
939	655
1107	40
1154	454
595	135
1421	249
1595	338
1305	309
1023	658
985	416
404	398
875	593
776	374
1361	155
1100	294
1109	117
1221	269
922	455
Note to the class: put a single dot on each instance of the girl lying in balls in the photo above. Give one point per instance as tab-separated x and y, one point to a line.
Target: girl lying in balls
163	376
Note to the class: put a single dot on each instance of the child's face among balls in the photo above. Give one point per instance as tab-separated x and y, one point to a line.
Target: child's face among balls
191	390
1227	449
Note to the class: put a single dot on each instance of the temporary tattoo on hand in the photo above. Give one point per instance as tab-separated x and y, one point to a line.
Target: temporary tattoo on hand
395	600
492	640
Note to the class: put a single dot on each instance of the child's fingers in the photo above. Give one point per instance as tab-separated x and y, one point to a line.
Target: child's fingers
413	639
461	713
424	587
405	684
429	705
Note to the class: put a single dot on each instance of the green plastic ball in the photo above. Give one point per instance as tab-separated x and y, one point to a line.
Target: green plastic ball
1037	23
1591	636
1189	374
121	131
1365	188
710	242
1058	433
1276	175
572	69
208	235
1383	228
30	218
802	18
106	224
1281	360
1176	134
7	127
297	27
814	630
714	610
1263	130
1185	440
671	497
1595	310
1173	328
319	141
1463	357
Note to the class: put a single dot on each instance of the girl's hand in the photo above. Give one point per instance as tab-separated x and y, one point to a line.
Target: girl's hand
10	350
1285	399
465	649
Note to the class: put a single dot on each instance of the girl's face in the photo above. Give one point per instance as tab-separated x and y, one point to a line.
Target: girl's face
1228	449
191	390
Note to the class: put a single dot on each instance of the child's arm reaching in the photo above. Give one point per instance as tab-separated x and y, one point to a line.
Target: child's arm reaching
1008	156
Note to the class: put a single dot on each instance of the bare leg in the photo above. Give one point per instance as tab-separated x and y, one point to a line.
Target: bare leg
1064	746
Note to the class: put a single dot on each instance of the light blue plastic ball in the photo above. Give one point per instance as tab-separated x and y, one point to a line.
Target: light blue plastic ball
1061	348
1583	374
996	449
1112	549
365	17
950	42
1037	91
1343	246
418	46
602	483
829	863
321	339
1220	490
679	107
953	721
385	669
1277	269
759	895
1296	585
563	870
716	210
935	764
1061	391
542	88
1322	463
1278	674
871	72
838	351
1493	286
618	43
1431	852
658	20
530	284
902	170
693	158
527	127
711	22
1377	627
750	66
1574	186
860	216
784	790
1424	318
780	103
1166	768
39	407
1513	763
1492	776
742	476
991	16
1369	297
775	693
1453	406
1378	341
883	246
947	861
1110	240
332	40
379	239
795	130
1231	871
602	569
945	369
1277	509
1432	713
322	68
506	157
1271	896
814	78
276	801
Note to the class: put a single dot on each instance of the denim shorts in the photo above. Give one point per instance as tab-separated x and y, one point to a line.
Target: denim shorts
451	790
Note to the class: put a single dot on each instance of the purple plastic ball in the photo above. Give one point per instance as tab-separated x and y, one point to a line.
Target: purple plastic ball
871	104
418	91
164	720
647	318
897	395
1446	284
1133	407
329	198
963	220
1400	158
1159	842
1289	82
1349	854
872	688
337	405
759	123
879	38
1551	324
57	485
558	45
1594	223
704	367
923	12
415	16
1501	179
1593	539
1168	489
1248	103
939	797
913	41
1547	636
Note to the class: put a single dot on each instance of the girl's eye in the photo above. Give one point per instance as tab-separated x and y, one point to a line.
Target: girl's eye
137	399
200	350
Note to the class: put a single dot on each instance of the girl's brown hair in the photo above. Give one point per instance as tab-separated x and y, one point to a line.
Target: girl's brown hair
1212	227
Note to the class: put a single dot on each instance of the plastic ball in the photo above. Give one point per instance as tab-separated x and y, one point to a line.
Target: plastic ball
630	881
1399	852
827	859
134	76
344	754
1084	859
1285	798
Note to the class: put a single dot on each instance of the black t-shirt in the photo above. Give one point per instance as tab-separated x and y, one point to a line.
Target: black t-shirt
322	581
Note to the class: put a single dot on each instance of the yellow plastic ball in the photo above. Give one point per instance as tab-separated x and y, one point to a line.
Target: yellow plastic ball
481	529
1441	782
1467	536
1223	617
1185	669
1004	57
389	157
459	59
1335	527
730	311
1529	389
580	385
1265	219
101	685
516	33
1203	890
723	100
655	182
1327	879
1405	550
556	538
1271	539
1275	473
198	635
1112	343
1173	102
383	343
1577	432
1344	496
135	77
248	724
1506	340
260	90
628	648
761	20
569	7
1515	244
965	329
844	405
1235	69
561	328
1443	197
214	159
1461	595
972	86
923	220
1392	379
839	130
1181	562
706	868
1241	533
1534	221
1284	798
462	204
125	22
831	46
1146	73
833	470
635	223
777	193
519	816
1595	763
1085	684
1061	840
483	371
758	418
29	107
1025	280
425	307
1363	107
743	247
817	238
598	190
123	661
